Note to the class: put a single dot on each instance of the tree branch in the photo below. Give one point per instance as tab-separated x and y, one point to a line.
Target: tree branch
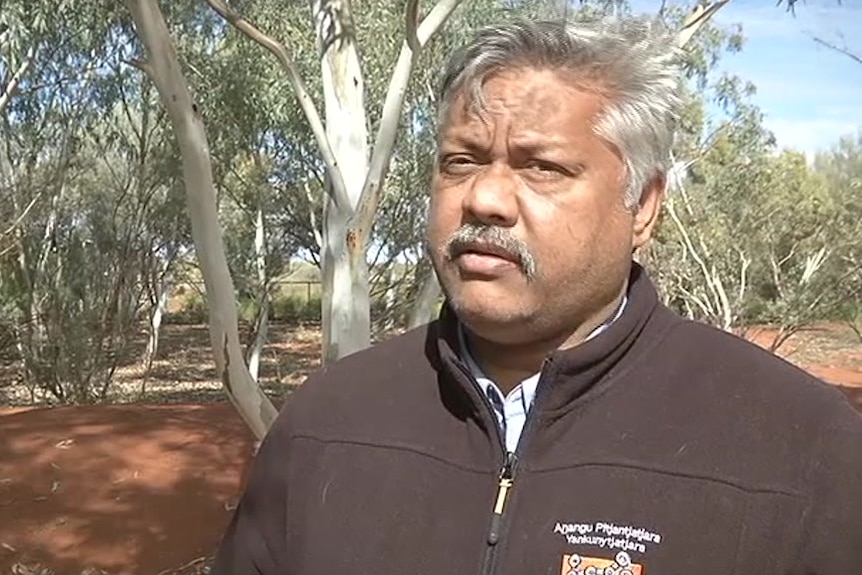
23	215
689	246
143	66
411	16
15	80
840	49
695	21
279	50
363	218
176	96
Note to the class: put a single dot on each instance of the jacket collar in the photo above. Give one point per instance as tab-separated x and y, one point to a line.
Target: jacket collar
568	374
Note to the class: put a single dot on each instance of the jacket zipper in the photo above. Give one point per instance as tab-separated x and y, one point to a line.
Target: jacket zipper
505	486
507	473
507	480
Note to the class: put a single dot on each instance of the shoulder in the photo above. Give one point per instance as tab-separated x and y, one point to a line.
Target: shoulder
759	420
737	369
375	366
397	374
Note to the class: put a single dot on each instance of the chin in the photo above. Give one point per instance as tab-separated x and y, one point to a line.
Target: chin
495	319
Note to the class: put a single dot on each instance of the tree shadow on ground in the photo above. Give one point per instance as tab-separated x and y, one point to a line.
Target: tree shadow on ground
127	489
276	393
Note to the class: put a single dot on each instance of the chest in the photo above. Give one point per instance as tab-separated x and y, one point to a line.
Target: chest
389	510
606	519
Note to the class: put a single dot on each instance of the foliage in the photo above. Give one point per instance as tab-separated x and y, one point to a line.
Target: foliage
749	234
86	178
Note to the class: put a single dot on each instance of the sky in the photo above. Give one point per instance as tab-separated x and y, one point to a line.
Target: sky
810	95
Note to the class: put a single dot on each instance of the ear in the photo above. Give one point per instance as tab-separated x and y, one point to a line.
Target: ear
647	211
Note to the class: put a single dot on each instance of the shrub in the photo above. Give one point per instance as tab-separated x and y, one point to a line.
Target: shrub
192	310
292	309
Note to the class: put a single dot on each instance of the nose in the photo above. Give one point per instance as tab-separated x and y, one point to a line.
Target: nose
492	197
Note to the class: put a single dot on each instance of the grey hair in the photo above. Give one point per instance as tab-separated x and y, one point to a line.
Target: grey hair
632	59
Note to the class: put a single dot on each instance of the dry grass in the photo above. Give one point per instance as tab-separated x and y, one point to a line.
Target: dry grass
184	372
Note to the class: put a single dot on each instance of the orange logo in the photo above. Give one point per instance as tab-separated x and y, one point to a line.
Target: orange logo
574	564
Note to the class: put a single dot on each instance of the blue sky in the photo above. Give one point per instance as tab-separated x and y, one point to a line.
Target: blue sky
810	95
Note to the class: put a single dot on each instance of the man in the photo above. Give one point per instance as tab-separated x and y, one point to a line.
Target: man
556	419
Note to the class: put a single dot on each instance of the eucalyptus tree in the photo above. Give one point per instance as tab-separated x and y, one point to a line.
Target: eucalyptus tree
84	166
749	235
841	167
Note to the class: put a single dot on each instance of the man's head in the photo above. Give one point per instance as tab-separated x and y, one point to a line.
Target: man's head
553	144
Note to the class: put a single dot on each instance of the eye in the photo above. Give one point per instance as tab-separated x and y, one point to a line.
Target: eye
544	168
457	164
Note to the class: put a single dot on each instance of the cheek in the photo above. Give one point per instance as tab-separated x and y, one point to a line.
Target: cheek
444	216
564	247
571	240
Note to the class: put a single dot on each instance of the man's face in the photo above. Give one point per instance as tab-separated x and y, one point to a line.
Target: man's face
549	195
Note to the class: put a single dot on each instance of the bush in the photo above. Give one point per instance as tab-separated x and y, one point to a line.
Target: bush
247	309
285	308
192	310
292	309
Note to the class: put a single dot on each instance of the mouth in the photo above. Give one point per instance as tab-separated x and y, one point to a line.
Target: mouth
485	249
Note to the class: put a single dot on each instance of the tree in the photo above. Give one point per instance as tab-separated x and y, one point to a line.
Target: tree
84	167
751	235
841	167
164	69
342	139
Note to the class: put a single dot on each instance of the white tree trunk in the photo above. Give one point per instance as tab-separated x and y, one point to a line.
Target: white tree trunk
261	331
425	307
262	323
355	181
163	288
38	281
346	310
163	67
15	80
390	297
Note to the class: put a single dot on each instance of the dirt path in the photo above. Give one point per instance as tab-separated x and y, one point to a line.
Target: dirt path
126	489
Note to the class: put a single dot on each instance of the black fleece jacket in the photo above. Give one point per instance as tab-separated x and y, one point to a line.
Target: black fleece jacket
661	447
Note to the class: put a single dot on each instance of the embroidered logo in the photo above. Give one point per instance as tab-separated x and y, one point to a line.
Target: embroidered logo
574	564
605	535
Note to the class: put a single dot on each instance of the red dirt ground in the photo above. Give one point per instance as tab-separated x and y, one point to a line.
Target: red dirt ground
145	489
127	489
828	351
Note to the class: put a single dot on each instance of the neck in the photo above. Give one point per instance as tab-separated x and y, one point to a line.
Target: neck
510	364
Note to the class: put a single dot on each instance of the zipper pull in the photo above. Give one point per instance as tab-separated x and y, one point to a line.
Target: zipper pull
503	487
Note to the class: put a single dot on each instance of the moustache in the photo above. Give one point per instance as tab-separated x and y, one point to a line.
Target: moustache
470	237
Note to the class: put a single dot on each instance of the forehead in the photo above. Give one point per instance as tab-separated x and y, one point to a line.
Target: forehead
539	102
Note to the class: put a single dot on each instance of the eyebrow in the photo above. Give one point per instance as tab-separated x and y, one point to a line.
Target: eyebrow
537	142
466	141
531	143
